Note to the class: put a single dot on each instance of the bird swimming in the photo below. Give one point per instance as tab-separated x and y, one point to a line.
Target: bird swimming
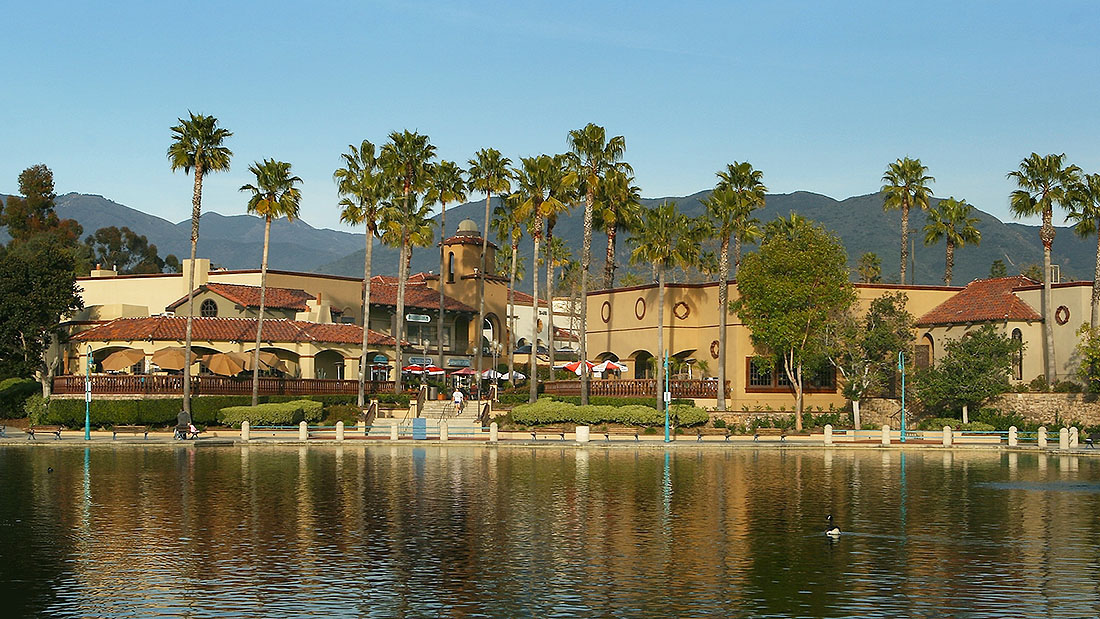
831	530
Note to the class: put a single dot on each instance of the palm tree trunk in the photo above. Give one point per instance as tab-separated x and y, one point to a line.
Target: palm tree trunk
904	239
533	369
723	311
512	314
442	236
481	289
260	318
609	264
660	337
1095	319
586	259
736	257
196	212
949	262
550	294
1046	235
402	275
361	398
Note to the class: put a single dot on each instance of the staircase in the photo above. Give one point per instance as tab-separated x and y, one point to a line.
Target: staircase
459	426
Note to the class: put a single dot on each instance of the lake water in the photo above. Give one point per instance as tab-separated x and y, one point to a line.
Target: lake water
402	531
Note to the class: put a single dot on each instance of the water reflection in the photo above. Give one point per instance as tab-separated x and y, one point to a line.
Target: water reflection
462	530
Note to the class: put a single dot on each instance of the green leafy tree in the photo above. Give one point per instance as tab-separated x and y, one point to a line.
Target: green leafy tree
274	196
362	188
950	220
126	251
618	208
864	350
490	173
197	144
729	209
1044	181
32	214
974	368
448	185
1088	356
790	288
905	185
667	239
869	267
1086	212
592	157
998	268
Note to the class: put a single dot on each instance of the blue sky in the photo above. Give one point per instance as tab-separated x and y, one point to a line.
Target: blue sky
818	95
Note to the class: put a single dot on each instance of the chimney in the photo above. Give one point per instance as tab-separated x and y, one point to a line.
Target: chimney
99	271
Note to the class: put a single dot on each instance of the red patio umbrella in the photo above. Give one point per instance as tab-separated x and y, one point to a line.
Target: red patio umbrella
434	370
413	369
576	366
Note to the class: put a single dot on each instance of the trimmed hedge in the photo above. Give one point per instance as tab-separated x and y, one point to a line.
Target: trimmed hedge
14	393
547	411
272	414
596	400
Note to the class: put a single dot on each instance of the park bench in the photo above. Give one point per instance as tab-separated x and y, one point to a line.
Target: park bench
1090	440
780	432
3	434
547	430
54	430
607	433
701	432
142	430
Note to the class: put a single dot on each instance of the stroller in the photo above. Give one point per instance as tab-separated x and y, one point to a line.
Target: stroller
185	430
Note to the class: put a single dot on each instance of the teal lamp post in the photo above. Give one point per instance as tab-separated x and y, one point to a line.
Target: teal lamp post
665	396
901	368
88	396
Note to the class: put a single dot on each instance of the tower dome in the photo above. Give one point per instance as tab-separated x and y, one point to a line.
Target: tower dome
467	227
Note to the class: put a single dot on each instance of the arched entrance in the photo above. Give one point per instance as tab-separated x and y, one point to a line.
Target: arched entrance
328	364
644	364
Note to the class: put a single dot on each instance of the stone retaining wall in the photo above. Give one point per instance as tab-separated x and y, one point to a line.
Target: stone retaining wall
1051	409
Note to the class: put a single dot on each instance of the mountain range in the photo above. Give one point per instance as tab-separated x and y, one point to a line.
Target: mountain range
236	241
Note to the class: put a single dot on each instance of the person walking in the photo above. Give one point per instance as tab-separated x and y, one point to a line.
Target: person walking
459	400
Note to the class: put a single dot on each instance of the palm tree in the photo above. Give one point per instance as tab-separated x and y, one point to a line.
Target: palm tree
550	214
906	186
1044	181
273	196
668	239
951	220
593	156
1086	212
406	160
509	229
362	186
618	208
729	209
196	144
489	173
448	185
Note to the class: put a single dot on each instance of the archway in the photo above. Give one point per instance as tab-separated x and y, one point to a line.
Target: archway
288	358
644	364
379	365
328	364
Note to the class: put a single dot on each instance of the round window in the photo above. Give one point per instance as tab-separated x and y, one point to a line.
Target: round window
639	308
1061	315
605	311
208	309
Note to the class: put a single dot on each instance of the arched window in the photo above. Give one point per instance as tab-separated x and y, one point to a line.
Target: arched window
451	268
1018	356
208	309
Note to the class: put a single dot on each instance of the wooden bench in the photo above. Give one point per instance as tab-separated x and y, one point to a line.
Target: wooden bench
780	432
142	430
54	430
548	430
701	432
621	432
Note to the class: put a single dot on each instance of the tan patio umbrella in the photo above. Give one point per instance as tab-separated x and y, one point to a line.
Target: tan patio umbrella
269	360
171	358
227	363
122	359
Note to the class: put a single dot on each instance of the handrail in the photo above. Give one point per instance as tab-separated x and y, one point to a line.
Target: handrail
421	398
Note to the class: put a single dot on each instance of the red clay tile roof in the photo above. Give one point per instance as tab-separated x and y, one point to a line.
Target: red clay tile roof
416	295
983	300
563	335
416	279
467	240
249	296
172	328
522	298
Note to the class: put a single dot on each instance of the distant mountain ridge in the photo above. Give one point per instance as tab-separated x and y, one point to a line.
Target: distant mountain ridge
236	241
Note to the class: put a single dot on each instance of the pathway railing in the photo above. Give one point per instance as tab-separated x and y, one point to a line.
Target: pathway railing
153	384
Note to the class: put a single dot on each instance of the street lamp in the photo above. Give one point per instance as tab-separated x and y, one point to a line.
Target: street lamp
88	396
901	368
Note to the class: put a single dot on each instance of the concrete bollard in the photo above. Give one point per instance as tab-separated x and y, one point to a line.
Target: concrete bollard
1042	433
444	431
828	434
303	431
1013	437
1074	433
947	438
493	432
246	430
361	427
582	433
1063	439
885	435
339	430
393	430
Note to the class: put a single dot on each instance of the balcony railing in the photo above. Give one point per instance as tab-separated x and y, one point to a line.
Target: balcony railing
150	384
643	387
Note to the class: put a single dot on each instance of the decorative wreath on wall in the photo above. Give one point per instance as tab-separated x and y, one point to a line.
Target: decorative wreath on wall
1061	315
714	349
639	308
681	310
605	311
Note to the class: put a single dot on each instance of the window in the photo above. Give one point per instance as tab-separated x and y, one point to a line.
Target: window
762	378
1018	356
451	268
208	309
760	375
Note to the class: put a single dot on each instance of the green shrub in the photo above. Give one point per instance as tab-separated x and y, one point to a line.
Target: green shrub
937	423
1039	383
1067	386
686	415
14	393
548	411
347	413
719	423
35	409
272	413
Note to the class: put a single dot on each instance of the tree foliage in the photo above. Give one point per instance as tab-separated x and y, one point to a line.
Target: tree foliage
32	213
974	368
1088	356
127	251
869	268
864	349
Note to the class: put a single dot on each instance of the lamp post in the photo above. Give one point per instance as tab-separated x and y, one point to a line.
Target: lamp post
901	368
665	396
88	396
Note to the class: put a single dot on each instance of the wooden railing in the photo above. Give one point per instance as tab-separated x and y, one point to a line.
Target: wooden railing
641	387
138	384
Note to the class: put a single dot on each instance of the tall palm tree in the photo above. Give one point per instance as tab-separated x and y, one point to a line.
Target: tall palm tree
406	160
551	211
509	229
196	144
906	185
362	186
618	208
951	220
541	181
729	208
273	196
593	156
1086	212
490	173
1044	181
667	239
448	185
